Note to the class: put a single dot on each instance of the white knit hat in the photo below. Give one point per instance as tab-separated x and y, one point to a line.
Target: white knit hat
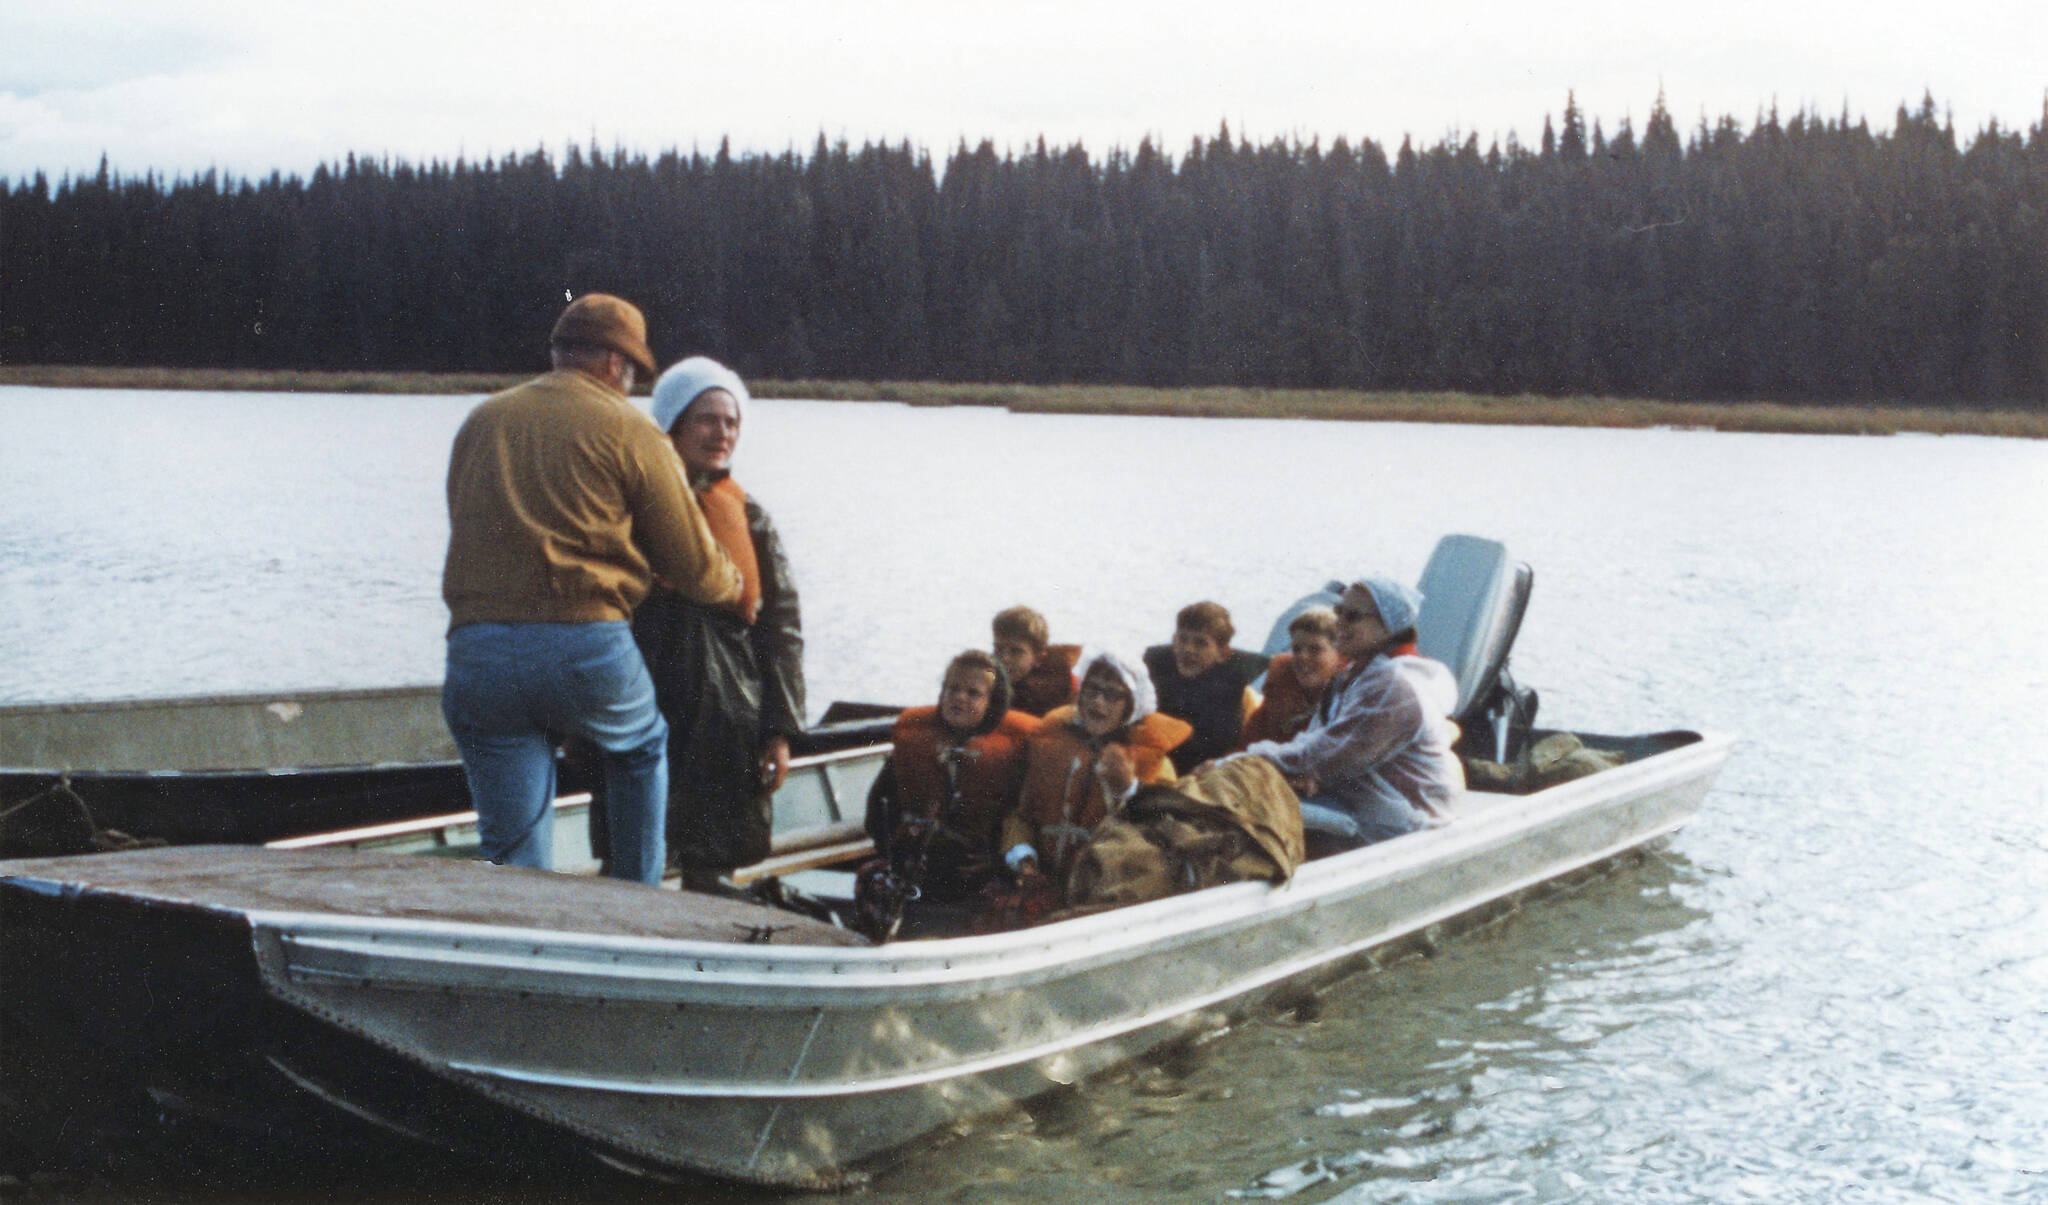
685	380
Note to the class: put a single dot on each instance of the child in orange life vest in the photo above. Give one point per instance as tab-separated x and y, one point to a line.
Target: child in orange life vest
1204	681
1084	761
1041	674
935	809
1295	680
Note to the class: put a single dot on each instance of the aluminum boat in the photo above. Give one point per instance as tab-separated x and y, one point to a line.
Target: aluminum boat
464	1007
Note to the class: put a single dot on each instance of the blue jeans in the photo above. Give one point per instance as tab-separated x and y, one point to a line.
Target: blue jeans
1353	823
512	691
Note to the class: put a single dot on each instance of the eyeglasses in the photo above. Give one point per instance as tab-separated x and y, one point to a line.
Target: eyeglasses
1352	614
1102	691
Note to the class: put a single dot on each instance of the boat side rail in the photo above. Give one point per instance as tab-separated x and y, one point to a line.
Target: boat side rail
245	733
820	818
796	849
426	952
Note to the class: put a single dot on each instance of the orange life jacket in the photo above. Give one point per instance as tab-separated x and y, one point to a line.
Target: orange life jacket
1050	683
1288	706
724	505
1061	800
983	784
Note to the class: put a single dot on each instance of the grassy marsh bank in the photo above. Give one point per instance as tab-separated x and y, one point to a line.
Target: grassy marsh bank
1203	402
254	380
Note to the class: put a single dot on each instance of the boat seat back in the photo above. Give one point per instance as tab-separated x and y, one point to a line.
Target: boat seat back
1277	640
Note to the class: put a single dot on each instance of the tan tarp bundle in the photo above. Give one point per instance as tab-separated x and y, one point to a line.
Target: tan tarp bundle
1557	758
1233	820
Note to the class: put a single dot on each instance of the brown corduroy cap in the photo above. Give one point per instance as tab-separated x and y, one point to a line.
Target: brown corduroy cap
602	320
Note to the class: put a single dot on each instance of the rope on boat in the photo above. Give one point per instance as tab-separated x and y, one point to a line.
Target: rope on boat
63	824
61	789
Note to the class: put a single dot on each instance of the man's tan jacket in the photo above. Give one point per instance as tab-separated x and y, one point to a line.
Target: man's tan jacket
564	502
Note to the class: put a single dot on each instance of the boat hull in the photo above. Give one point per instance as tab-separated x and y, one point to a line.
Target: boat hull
799	1065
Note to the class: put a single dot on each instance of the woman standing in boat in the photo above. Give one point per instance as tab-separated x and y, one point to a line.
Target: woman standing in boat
729	679
1375	760
1084	761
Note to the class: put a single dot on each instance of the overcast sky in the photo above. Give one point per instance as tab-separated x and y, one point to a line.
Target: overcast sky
248	87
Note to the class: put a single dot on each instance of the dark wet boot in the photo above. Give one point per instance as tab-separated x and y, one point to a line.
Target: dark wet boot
712	881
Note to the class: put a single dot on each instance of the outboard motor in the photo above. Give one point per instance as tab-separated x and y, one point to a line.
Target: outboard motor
1473	599
1496	727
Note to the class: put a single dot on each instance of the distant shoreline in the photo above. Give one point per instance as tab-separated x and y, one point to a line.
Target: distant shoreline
1200	402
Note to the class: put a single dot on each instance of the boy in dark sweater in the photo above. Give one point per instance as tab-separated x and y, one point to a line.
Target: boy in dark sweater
1204	681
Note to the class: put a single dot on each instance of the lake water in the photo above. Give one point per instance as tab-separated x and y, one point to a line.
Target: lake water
1833	986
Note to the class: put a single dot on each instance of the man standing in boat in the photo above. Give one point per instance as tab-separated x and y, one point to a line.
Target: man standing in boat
564	503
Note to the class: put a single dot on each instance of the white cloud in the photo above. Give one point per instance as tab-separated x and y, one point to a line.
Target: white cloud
87	45
290	84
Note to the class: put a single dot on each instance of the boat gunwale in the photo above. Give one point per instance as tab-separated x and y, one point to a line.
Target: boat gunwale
232	773
1019	957
1253	981
418	825
262	701
802	761
327	699
241	699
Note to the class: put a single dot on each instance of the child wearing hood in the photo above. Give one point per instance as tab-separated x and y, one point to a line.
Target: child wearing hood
1375	760
1084	761
936	808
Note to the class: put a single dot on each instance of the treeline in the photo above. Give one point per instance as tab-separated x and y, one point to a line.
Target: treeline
1809	259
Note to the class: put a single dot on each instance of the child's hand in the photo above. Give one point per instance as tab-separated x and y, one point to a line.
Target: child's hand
1116	772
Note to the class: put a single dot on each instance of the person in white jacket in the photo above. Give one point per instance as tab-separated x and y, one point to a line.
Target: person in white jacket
1375	761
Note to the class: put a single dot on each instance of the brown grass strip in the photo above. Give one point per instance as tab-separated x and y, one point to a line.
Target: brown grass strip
256	380
1210	402
1447	407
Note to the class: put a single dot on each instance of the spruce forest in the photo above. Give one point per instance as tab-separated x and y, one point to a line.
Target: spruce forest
1813	259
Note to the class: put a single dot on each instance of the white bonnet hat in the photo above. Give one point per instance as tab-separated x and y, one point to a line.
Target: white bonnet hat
1144	700
685	380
